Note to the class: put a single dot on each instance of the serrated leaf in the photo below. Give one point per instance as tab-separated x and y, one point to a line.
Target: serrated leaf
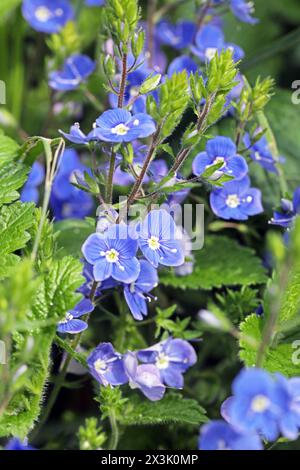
221	262
8	262
15	220
8	149
277	359
171	409
12	177
54	296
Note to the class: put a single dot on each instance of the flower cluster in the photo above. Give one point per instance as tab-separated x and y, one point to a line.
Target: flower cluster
263	406
150	370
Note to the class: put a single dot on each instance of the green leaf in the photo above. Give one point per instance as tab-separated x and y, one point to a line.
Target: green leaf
221	262
8	148
15	220
12	177
277	359
57	291
171	409
53	296
7	263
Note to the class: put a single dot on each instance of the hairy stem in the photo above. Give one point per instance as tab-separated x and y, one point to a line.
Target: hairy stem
123	81
114	438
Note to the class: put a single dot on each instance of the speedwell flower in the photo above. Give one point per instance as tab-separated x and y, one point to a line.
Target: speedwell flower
75	71
118	125
221	150
289	211
179	35
47	16
236	200
157	239
71	324
172	358
145	377
219	435
256	404
112	254
260	153
107	366
76	136
137	293
210	40
243	10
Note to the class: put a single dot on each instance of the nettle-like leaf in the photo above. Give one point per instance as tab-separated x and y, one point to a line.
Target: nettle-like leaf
54	296
15	221
12	177
221	262
171	409
277	359
8	149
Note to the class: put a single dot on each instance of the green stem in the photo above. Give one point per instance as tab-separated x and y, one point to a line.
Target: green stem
51	166
109	194
114	438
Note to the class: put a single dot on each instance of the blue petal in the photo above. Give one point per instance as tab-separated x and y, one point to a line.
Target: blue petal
102	270
221	147
201	162
143	124
112	118
83	307
237	166
93	246
127	271
73	326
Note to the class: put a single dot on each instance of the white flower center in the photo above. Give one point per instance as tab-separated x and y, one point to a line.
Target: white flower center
218	160
100	366
43	14
260	403
153	242
233	201
210	52
112	256
120	129
162	361
257	156
68	318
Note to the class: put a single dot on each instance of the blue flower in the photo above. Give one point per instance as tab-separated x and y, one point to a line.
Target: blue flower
181	63
118	125
221	150
256	404
76	136
137	293
243	9
236	200
157	239
289	211
47	16
210	40
75	70
67	201
172	357
107	366
179	35
260	153
145	377
86	287
71	324
16	444
289	419
30	191
219	435
112	254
